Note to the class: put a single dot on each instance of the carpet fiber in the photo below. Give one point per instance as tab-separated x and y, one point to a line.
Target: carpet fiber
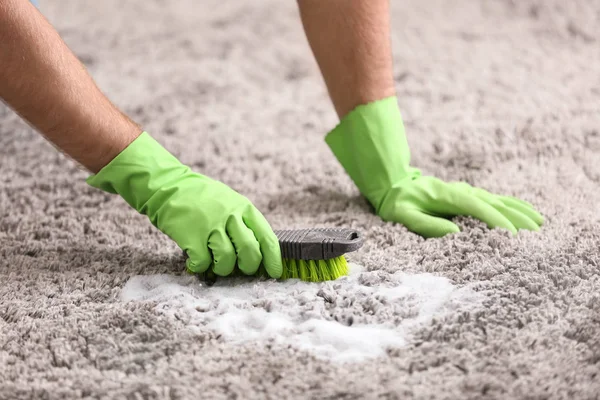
502	94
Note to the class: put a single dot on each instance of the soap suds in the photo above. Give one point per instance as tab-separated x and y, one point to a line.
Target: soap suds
363	324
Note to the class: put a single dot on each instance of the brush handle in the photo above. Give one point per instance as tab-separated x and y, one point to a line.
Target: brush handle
318	243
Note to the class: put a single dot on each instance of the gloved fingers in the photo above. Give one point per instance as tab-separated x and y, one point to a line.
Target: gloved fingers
426	225
521	206
246	246
517	218
463	186
472	205
524	208
199	258
223	253
520	201
269	245
487	196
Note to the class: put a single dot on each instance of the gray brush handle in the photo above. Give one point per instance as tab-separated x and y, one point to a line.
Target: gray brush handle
318	243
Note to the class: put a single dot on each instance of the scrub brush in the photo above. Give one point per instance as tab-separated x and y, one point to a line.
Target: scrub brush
312	255
316	255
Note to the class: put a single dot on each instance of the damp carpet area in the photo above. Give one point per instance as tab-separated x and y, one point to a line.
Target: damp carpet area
505	95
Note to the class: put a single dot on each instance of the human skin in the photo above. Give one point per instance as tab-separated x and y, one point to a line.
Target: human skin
50	88
351	43
45	83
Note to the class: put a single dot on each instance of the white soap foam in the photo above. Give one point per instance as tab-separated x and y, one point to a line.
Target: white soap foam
291	312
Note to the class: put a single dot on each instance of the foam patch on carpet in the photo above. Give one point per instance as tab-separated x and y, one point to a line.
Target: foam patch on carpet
354	318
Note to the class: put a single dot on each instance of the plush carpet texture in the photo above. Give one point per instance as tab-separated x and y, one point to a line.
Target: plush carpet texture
502	94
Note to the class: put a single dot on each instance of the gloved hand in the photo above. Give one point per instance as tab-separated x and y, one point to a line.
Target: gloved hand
212	223
371	146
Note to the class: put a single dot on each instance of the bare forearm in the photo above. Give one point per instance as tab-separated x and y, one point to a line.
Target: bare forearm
351	42
45	83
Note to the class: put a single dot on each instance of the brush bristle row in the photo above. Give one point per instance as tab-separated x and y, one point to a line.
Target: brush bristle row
306	270
315	270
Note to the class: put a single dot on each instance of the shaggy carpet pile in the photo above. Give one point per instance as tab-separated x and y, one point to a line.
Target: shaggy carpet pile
505	95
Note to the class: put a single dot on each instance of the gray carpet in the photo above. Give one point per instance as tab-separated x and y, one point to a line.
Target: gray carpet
502	94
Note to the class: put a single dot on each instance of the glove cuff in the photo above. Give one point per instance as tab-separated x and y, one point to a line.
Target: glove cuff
371	145
138	172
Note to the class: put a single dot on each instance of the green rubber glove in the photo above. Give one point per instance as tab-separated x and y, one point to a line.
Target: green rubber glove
211	222
371	146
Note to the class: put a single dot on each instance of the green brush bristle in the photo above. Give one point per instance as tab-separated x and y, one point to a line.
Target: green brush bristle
305	270
315	270
292	271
